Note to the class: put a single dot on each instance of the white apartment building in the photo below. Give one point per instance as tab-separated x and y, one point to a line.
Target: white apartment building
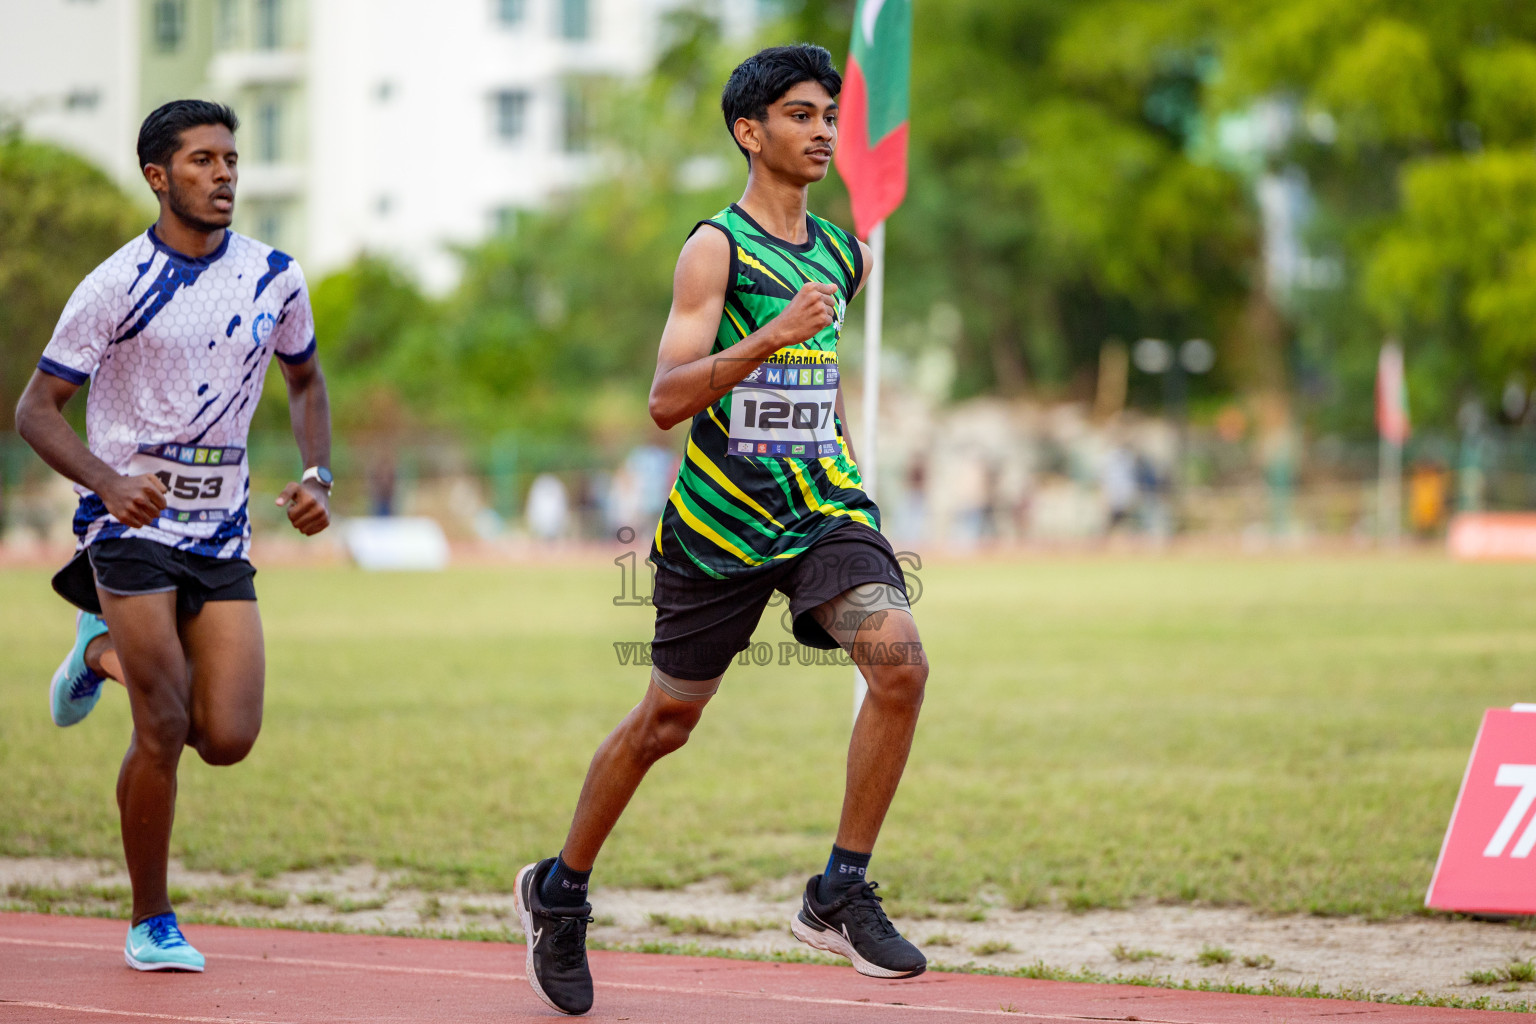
395	127
69	75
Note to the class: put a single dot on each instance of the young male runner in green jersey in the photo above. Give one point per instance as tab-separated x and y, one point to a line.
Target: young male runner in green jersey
768	498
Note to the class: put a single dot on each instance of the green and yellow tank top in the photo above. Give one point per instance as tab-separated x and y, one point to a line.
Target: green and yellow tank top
732	512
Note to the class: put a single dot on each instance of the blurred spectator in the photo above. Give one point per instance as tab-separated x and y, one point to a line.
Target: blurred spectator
993	511
548	507
1117	481
1153	486
655	468
1231	424
1428	488
968	497
915	498
381	482
639	489
622	508
591	492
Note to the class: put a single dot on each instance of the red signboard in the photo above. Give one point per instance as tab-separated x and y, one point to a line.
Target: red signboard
1493	536
1487	863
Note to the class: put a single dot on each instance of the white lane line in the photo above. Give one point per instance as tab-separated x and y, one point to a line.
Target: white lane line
630	986
291	961
873	1005
37	1005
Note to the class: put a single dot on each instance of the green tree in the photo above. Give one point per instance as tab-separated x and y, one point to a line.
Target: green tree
1459	266
1053	196
365	315
1414	127
59	218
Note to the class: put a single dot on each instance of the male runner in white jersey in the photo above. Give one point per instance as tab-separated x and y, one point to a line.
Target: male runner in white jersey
174	332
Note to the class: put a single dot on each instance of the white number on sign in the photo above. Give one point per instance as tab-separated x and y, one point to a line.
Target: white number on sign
1524	776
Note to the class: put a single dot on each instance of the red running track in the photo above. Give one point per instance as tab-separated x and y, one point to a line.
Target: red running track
71	971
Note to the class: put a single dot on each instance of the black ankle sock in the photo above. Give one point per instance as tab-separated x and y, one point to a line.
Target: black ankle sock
564	886
844	869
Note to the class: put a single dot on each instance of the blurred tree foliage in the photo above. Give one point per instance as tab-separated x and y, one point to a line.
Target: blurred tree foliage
1052	201
1080	171
59	218
1414	128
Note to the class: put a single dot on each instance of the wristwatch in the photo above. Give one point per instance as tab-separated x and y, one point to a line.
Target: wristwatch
320	475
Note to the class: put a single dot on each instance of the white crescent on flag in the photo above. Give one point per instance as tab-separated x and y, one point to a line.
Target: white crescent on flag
867	17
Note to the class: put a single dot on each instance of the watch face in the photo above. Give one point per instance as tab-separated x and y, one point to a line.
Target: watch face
324	475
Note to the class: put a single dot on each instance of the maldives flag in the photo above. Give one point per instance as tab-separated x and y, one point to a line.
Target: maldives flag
1391	394
872	147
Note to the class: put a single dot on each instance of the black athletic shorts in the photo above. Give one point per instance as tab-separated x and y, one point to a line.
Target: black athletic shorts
132	565
702	624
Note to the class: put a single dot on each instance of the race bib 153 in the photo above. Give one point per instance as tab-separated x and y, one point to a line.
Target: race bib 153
203	483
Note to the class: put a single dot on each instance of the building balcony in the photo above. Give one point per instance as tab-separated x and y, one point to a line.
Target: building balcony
270	181
238	69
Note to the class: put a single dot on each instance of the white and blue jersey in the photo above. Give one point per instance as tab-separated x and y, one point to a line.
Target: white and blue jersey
176	350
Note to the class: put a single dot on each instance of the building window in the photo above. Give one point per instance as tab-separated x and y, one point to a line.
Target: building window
576	119
575	22
82	100
504	221
269	132
170	24
269	225
511	112
269	24
511	12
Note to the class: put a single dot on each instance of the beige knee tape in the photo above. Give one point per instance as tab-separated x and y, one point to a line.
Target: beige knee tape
685	689
844	615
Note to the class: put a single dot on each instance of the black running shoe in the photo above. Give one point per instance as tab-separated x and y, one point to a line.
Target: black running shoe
854	926
557	944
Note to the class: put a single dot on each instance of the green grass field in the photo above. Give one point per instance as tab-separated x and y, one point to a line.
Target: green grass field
1283	734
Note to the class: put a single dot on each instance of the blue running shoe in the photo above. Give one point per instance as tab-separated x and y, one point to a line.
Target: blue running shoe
75	688
156	944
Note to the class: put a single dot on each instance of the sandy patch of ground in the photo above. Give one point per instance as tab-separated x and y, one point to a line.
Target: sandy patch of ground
1433	956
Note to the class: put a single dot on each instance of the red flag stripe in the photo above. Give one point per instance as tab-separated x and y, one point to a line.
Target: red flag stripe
876	176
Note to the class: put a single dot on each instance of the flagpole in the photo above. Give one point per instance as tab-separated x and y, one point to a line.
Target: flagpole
874	307
1389	493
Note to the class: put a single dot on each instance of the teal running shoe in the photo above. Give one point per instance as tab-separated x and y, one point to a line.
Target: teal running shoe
75	688
156	944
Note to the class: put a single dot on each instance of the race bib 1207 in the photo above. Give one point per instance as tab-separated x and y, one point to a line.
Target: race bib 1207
203	484
785	410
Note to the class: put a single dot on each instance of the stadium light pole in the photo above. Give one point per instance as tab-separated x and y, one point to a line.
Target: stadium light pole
1173	365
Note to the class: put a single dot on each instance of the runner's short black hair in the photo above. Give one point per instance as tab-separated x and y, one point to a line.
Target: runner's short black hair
764	77
160	134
